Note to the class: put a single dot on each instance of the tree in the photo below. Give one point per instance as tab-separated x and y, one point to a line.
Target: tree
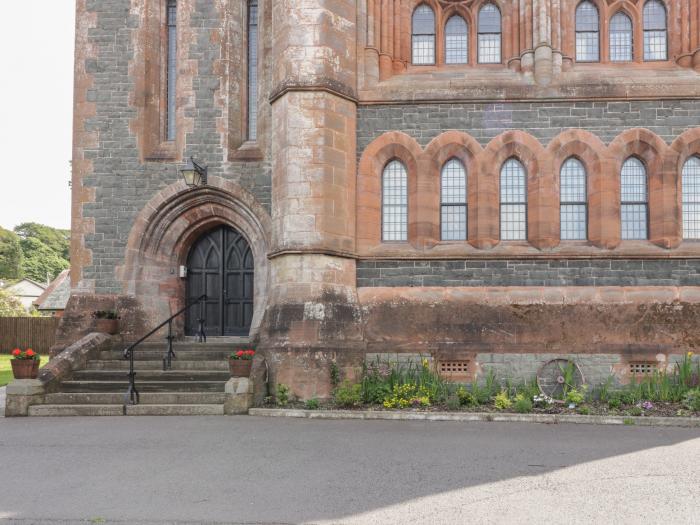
10	306
10	255
57	240
40	261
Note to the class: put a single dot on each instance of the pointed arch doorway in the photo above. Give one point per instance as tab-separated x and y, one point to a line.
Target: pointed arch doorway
221	265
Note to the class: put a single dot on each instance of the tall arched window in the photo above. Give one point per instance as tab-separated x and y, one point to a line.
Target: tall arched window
489	41
691	198
621	38
513	201
574	200
456	41
453	201
252	69
634	200
171	83
587	33
423	35
394	202
655	41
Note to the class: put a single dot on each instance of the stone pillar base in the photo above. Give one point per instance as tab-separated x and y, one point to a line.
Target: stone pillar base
21	394
239	396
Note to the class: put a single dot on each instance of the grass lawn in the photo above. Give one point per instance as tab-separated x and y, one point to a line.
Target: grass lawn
6	368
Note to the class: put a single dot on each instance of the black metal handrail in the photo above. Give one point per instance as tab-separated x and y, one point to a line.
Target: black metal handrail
132	397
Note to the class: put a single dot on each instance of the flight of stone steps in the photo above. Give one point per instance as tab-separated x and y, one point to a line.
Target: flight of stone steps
194	385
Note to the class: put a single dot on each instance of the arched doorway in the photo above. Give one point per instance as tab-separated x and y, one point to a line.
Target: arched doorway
221	265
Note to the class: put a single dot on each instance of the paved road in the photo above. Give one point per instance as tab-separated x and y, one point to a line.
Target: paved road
256	470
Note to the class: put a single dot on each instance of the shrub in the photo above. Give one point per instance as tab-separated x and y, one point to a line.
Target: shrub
453	403
466	398
282	395
576	396
312	404
691	401
636	411
584	410
502	401
523	405
615	401
406	395
348	394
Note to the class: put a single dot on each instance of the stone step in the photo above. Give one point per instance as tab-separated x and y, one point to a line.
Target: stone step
142	386
143	354
180	345
147	398
153	375
131	410
177	364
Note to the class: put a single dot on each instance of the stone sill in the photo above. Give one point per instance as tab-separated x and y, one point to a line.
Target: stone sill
687	422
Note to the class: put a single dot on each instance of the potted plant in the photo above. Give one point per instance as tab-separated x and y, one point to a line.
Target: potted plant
25	365
106	321
240	363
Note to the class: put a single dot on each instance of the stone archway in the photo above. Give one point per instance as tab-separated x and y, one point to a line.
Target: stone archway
167	228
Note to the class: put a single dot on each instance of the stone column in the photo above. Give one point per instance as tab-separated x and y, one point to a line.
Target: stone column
542	41
313	315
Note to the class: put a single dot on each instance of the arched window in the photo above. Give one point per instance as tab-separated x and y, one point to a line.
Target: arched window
587	33
621	38
489	41
655	42
423	35
252	69
453	201
691	198
574	199
513	201
171	83
456	38
634	200
394	202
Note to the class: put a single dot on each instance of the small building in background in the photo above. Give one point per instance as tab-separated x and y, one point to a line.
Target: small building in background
55	297
26	290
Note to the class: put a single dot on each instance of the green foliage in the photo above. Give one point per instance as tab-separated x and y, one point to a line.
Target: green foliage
379	380
615	401
39	261
466	398
584	410
605	388
636	411
453	402
523	405
282	395
312	404
348	394
10	306
691	400
335	375
502	400
58	241
407	395
10	255
576	396
491	385
569	374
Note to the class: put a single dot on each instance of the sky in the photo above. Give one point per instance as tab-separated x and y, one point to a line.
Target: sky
36	111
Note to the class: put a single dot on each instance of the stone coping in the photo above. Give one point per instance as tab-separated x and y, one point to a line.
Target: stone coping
395	415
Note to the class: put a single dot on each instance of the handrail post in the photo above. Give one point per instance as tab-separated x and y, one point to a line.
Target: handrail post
168	359
132	396
201	336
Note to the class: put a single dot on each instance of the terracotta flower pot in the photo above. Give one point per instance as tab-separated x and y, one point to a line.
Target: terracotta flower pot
240	367
25	368
107	326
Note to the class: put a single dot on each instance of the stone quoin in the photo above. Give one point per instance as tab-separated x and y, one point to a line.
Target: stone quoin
494	182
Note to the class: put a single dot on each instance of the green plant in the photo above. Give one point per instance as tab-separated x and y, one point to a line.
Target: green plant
628	421
584	410
406	395
569	374
348	394
335	375
453	403
491	386
105	314
242	355
282	395
604	390
691	400
465	397
312	404
523	405
635	411
615	401
576	396
25	355
502	400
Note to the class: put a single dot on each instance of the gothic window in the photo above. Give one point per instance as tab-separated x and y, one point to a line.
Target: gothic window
252	69
655	42
691	198
171	70
394	202
621	38
456	38
423	35
634	200
489	41
573	206
513	201
453	201
587	37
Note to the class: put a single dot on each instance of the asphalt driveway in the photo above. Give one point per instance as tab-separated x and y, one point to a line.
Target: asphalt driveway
257	470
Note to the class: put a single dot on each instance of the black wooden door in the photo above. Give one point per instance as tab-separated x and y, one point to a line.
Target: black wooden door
221	266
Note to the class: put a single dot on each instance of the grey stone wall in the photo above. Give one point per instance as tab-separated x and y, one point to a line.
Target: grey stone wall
544	120
573	272
123	185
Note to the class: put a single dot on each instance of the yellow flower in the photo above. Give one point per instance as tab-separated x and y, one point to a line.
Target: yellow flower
426	364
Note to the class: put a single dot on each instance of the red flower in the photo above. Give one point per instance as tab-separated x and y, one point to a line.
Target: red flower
16	352
31	353
251	352
239	353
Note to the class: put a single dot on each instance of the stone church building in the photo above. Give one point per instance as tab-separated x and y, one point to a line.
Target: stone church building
492	183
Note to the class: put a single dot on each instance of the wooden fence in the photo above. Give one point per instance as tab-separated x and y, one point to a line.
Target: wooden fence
37	333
